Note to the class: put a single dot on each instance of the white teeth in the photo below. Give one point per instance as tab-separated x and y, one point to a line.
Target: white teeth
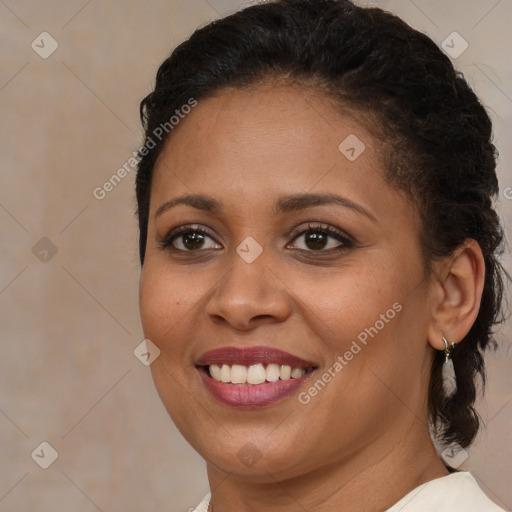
298	372
285	372
254	374
272	372
238	374
216	372
225	375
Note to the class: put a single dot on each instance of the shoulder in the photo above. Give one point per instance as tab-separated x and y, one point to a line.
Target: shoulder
203	506
457	492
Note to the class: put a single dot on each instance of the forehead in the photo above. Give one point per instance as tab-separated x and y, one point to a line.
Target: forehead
271	136
247	148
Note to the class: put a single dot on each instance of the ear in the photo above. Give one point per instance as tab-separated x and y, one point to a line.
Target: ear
457	285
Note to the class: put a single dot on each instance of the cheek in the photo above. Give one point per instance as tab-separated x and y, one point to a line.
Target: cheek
371	318
162	302
171	303
347	302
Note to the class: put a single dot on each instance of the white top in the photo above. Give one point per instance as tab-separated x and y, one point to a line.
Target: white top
456	492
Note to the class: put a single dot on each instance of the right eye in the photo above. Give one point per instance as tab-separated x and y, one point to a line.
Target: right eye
189	239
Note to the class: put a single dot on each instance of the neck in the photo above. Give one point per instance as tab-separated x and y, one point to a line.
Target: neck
374	479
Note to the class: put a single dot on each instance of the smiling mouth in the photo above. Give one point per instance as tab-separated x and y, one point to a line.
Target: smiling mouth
255	374
253	386
252	376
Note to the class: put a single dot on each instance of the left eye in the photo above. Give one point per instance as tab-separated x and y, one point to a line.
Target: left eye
321	239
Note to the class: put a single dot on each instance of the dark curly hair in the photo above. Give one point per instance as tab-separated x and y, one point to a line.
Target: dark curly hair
434	134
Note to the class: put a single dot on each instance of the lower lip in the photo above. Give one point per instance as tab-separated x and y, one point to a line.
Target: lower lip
248	395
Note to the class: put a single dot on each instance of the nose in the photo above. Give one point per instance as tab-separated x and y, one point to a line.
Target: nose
250	294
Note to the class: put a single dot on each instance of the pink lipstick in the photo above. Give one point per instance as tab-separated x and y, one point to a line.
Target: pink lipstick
252	376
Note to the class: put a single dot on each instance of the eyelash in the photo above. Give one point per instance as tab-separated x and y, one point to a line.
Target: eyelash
346	241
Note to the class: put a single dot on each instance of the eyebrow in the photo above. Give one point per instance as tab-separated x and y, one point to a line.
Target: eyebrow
284	204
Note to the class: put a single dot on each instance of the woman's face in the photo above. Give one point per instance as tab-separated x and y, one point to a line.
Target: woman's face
263	284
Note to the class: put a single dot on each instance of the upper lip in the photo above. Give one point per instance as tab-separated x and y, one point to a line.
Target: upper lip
251	355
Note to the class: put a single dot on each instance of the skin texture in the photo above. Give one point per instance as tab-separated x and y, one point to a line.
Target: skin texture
368	428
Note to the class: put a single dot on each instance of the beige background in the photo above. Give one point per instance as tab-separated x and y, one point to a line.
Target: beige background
69	325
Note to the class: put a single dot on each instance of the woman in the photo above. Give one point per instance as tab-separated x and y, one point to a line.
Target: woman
319	259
